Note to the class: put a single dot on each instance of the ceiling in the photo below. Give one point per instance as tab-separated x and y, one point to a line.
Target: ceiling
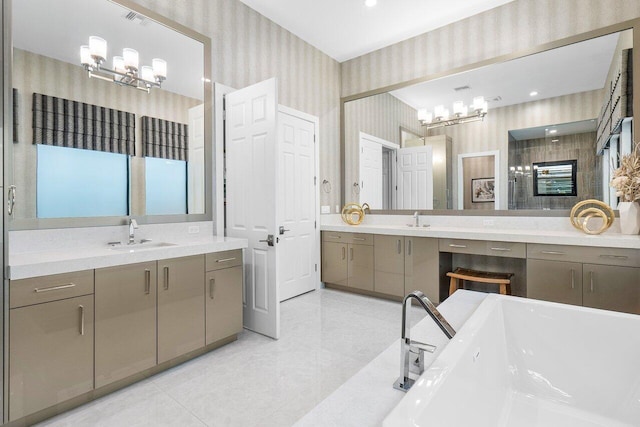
570	69
554	131
58	28
345	29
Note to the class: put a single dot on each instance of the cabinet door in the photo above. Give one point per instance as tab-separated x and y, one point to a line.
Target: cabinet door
556	281
50	354
612	288
125	321
180	306
389	264
334	263
360	267
422	269
223	303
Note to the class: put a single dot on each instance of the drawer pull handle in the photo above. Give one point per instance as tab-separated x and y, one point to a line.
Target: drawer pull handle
344	252
501	249
399	247
226	259
457	246
573	279
147	282
360	239
166	278
552	252
211	283
614	256
55	288
591	280
334	237
81	319
409	248
351	253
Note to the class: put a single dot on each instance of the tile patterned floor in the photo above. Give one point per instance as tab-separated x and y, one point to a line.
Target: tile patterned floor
326	337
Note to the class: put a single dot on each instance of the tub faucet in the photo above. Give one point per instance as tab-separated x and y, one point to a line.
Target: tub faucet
416	217
133	225
410	348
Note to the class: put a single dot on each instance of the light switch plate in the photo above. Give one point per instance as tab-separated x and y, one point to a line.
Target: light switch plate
194	229
325	209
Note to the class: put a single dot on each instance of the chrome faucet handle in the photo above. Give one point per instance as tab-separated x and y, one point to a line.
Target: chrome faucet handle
416	346
114	243
145	241
133	223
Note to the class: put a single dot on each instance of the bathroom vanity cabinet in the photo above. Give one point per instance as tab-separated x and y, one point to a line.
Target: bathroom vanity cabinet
51	339
384	265
222	293
180	306
148	316
347	259
125	321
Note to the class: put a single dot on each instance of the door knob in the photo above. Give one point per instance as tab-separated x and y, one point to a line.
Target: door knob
269	240
282	230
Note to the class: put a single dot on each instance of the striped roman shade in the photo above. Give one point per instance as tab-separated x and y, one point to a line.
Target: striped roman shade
65	123
164	139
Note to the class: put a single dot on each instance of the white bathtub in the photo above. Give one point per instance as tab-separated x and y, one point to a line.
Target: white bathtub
519	362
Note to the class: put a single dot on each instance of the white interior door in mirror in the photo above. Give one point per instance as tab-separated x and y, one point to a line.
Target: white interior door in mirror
415	178
297	202
374	181
195	165
252	145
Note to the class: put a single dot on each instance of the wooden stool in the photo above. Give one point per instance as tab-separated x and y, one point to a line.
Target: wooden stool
462	274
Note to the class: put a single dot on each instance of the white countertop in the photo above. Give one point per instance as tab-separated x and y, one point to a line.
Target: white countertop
367	397
557	237
73	258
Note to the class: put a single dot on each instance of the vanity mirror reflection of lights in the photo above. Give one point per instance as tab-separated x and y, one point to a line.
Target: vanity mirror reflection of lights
114	128
471	140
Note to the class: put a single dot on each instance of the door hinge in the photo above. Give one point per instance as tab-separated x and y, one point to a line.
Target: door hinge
316	267
315	224
314	138
315	180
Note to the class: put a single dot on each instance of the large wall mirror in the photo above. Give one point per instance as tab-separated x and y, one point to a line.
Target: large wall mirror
130	136
473	140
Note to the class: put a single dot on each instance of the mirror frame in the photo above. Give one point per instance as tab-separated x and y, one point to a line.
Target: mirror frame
633	24
12	223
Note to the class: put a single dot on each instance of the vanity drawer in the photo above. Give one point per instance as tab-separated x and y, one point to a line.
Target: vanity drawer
351	238
220	260
591	255
463	246
506	249
41	289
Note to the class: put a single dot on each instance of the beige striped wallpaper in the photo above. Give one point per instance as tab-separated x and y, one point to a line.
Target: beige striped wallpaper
40	74
248	48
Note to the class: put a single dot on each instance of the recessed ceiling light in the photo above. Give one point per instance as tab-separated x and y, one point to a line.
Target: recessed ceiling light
555	140
552	131
370	3
206	80
533	93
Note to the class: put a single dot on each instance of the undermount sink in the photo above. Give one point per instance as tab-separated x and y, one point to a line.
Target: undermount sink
136	247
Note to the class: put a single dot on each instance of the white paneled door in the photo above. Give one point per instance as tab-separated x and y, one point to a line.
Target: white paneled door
415	178
297	201
370	173
195	163
252	147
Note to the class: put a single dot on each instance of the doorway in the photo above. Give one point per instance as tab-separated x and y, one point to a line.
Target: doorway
479	180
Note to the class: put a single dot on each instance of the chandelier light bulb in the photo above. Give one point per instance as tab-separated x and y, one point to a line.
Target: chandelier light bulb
458	109
98	49
130	59
146	73
422	114
478	104
118	64
85	55
159	68
439	112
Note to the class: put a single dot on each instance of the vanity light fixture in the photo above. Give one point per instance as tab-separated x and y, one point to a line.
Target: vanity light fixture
461	114
126	69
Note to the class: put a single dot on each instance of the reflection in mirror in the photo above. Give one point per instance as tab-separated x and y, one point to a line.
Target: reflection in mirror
102	108
483	116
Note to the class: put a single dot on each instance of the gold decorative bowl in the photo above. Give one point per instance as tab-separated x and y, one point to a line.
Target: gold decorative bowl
586	210
352	213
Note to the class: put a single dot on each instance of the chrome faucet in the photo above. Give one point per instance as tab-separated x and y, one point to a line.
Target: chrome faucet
410	349
133	225
416	217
